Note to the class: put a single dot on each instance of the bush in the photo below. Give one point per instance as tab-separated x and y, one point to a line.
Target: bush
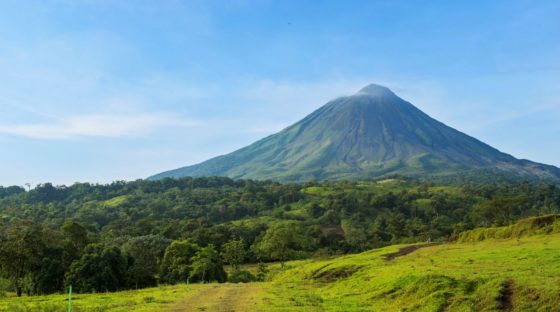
5	286
262	272
241	276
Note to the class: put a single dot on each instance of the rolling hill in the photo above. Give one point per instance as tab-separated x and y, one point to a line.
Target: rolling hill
513	268
370	134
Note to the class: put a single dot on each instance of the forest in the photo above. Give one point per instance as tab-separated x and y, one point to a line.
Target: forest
129	235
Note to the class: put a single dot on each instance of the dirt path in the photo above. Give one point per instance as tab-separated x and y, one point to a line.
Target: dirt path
406	250
221	298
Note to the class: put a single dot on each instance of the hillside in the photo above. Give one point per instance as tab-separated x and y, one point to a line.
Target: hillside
517	273
370	134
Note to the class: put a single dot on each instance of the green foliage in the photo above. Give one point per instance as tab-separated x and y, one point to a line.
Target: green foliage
262	271
234	253
241	276
75	233
273	222
100	269
177	261
147	253
21	250
10	190
5	286
207	266
284	241
49	278
531	226
491	275
500	210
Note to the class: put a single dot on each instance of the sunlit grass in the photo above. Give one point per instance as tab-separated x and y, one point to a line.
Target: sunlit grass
520	273
152	299
456	277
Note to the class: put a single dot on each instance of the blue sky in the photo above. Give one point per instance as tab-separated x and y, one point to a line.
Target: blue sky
97	91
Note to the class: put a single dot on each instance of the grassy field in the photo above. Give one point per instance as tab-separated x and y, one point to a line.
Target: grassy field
197	297
519	271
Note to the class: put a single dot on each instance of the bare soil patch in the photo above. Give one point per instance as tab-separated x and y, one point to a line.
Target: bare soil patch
407	250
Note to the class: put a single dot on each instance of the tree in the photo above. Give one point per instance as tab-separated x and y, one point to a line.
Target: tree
207	266
234	253
74	240
499	210
147	252
11	190
176	265
21	250
76	234
283	241
396	226
355	234
50	277
99	269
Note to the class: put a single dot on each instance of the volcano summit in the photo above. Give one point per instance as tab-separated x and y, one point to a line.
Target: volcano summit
370	134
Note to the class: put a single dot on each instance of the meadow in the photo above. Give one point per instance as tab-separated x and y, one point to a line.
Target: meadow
519	271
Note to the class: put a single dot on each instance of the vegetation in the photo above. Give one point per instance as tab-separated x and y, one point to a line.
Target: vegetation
234	253
513	274
207	266
527	227
145	233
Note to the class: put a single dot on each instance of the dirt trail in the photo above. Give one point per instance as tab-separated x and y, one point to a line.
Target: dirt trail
406	250
221	298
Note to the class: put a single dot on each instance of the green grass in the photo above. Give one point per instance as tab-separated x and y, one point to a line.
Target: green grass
526	227
488	275
519	272
116	201
152	299
459	277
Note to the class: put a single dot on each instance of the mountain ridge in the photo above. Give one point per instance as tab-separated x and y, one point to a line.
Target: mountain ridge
370	134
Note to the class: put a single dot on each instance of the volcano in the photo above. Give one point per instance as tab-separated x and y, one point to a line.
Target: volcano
371	134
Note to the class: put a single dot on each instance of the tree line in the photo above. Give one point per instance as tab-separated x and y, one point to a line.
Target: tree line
138	234
38	260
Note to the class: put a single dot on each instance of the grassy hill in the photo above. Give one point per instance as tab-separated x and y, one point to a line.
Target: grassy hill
515	270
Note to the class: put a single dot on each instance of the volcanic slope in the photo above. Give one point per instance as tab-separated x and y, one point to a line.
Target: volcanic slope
370	134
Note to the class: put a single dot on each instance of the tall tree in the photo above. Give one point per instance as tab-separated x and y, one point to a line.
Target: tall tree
176	265
207	266
284	241
99	269
147	252
21	251
234	253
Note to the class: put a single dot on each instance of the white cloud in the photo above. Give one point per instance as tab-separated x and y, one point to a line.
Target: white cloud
97	125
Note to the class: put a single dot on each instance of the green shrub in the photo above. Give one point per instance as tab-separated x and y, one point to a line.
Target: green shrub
241	276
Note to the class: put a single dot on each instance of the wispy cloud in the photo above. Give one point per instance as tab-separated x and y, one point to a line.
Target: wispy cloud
97	125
